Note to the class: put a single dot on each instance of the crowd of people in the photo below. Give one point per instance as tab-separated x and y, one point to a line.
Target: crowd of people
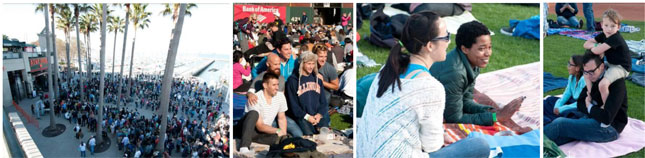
197	125
288	73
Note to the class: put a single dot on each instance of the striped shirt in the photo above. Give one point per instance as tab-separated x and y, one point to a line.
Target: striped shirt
269	112
403	123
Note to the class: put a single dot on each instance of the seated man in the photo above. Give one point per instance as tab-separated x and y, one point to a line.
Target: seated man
306	97
256	125
273	64
458	74
600	122
287	60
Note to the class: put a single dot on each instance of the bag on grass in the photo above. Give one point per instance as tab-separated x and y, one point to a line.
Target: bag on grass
294	147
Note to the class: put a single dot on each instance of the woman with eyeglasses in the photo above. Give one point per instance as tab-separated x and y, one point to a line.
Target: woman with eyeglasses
555	107
403	115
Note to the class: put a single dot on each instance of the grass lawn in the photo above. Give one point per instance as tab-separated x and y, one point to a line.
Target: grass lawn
557	51
340	121
507	51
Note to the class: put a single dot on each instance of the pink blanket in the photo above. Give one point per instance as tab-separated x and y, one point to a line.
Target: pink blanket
630	140
507	84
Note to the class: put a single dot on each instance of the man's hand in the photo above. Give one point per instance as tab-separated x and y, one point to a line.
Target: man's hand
282	132
507	111
251	99
320	77
556	111
312	120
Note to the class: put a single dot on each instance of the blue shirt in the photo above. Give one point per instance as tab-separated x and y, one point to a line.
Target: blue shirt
572	90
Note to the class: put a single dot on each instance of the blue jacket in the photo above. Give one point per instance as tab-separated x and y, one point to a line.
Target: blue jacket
305	96
572	91
285	69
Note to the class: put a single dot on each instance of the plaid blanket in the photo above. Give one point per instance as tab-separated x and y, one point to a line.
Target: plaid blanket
575	33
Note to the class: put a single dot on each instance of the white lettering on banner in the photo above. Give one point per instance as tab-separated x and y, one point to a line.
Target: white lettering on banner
259	9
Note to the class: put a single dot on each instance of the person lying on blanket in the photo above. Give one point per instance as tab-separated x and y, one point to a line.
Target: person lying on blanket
601	122
399	119
555	107
458	74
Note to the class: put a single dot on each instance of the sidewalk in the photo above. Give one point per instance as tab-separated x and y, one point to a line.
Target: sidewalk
66	145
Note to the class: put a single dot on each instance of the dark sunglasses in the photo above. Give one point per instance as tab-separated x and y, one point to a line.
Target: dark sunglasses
445	38
591	72
569	64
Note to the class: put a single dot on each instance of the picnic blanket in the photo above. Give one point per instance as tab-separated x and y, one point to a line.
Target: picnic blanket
502	86
638	78
630	140
552	83
638	67
525	145
638	47
507	84
575	33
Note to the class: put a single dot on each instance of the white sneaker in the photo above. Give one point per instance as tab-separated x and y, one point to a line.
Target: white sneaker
245	150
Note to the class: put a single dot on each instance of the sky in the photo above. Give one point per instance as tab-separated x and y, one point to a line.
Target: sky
207	31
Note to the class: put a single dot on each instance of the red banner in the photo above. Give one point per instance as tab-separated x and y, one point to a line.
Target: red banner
264	13
38	64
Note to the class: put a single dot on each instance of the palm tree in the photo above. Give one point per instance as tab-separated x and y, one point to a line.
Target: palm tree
175	10
64	21
78	8
103	23
125	37
140	19
45	9
168	74
87	27
116	26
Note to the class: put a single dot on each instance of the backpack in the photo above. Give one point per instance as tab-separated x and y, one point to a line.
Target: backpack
294	147
385	29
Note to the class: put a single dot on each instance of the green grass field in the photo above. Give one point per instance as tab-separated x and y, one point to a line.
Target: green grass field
507	51
557	51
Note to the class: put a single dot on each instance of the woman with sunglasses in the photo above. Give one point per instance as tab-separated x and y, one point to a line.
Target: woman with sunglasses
555	107
403	113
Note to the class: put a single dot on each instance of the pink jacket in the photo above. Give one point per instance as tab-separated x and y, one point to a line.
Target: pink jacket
344	20
238	71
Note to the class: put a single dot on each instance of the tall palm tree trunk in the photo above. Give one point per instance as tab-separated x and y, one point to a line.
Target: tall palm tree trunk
55	62
114	51
102	82
131	63
68	71
168	75
52	121
125	37
78	47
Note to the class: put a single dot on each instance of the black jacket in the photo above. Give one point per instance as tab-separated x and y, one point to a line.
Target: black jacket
615	111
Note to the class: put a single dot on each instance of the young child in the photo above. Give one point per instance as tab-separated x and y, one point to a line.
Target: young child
610	44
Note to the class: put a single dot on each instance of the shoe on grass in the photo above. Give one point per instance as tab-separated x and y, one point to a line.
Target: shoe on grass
507	31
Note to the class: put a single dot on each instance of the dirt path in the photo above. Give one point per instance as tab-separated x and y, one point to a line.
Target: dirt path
629	11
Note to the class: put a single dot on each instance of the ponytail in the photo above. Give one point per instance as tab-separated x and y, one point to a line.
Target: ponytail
396	63
418	30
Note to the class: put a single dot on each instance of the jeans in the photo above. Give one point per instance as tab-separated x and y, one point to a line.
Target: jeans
587	9
563	130
92	149
571	21
467	147
309	129
292	127
247	132
83	154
